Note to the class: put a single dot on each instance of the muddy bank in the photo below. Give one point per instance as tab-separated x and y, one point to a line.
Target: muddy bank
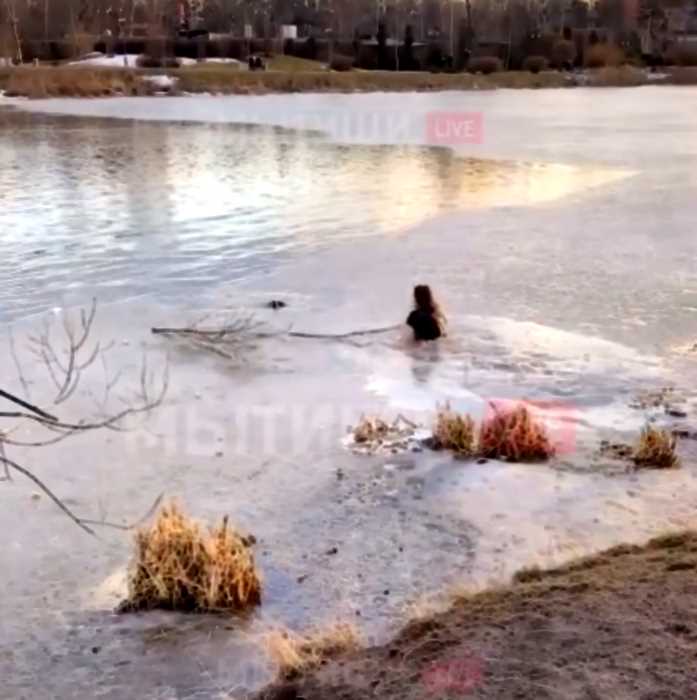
621	624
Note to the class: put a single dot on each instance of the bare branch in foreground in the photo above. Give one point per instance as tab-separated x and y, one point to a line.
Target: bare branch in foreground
65	367
18	365
131	526
83	523
65	430
24	404
32	477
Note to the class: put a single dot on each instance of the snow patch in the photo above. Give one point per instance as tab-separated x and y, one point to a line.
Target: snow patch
128	60
161	82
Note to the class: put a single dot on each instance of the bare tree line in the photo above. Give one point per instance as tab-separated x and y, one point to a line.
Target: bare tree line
24	20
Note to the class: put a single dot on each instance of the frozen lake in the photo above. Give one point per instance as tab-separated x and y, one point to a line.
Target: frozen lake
562	247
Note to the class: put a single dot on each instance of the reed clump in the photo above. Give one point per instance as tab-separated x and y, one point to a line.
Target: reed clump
656	449
180	565
454	431
514	435
295	654
370	429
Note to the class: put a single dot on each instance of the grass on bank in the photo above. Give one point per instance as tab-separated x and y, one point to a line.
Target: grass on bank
180	565
288	74
627	607
73	81
295	654
293	64
77	81
670	547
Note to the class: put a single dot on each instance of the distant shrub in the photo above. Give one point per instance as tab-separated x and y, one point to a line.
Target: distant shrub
682	56
147	61
604	55
341	63
535	64
618	76
485	65
563	53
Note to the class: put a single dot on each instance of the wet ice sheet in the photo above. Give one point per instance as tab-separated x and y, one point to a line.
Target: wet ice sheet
340	536
576	299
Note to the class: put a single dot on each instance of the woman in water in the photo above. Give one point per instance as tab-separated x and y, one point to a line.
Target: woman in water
426	320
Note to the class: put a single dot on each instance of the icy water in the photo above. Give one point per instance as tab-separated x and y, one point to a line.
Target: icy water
562	248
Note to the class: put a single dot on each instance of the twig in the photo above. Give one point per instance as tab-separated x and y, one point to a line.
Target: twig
341	336
22	470
25	404
66	375
69	429
65	368
18	365
132	526
7	476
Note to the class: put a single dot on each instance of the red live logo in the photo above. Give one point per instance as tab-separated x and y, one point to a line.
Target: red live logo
453	677
453	128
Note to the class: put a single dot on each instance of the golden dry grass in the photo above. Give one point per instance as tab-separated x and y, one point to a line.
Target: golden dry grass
179	565
73	81
514	435
217	79
454	431
656	449
295	654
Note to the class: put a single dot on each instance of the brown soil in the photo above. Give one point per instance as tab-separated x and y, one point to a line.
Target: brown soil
622	624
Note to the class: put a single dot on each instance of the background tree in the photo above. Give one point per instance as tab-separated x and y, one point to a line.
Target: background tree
409	60
382	46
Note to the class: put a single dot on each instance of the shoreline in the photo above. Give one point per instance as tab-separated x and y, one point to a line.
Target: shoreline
615	624
78	81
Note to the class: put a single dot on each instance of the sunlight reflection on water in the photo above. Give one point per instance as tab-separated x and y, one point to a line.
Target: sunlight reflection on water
121	209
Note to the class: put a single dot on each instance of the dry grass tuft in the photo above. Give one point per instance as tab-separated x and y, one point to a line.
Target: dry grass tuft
370	429
454	431
73	81
295	654
656	449
180	566
514	435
